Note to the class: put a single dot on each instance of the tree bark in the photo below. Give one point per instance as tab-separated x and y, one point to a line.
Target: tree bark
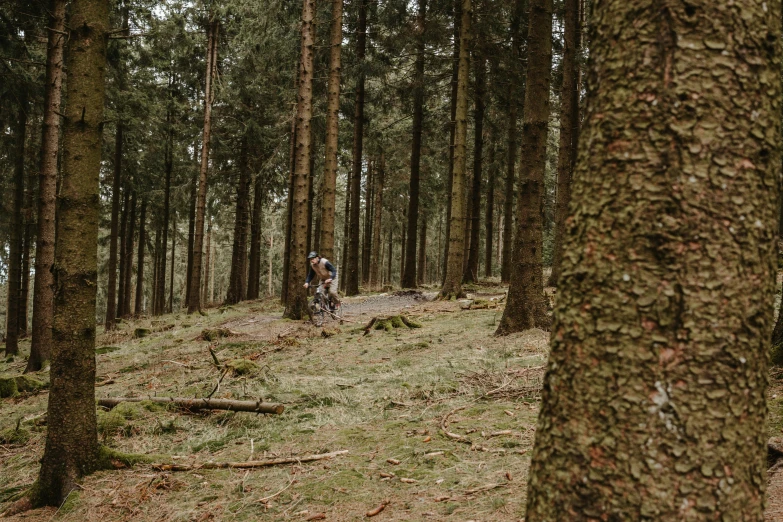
569	129
43	284
422	263
346	232
662	320
237	287
352	271
128	259
452	127
111	293
16	235
526	307
191	236
375	262
156	297
368	221
120	310
290	203
194	302
139	308
326	241
296	303
71	436
409	279
27	213
472	268
452	285
168	169
254	275
173	259
489	217
391	256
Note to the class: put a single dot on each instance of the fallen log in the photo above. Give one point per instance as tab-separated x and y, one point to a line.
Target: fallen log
248	464
200	404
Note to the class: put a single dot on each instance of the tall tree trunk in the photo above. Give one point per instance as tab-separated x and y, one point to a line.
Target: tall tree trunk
191	236
206	296
452	284
269	258
16	233
422	263
139	309
126	308
375	262
156	273
526	307
237	286
71	435
111	293
506	261
368	210
403	242
352	271
194	302
254	276
452	127
310	195
663	313
43	284
326	240
409	279
391	256
569	123
346	232
472	268
489	217
173	260
120	310
27	214
168	169
296	303
290	204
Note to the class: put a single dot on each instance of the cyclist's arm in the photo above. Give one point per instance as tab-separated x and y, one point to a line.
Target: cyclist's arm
332	270
310	276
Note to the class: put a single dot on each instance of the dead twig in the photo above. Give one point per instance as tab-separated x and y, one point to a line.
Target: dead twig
488	487
265	500
248	464
217	386
444	426
377	510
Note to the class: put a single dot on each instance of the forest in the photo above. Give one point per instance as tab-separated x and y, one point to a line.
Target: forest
491	260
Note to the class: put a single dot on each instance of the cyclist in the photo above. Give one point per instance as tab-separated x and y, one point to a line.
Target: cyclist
326	273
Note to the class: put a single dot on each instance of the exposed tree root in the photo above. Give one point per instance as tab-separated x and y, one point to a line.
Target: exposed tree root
390	323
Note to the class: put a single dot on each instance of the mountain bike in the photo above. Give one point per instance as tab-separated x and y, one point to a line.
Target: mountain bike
321	307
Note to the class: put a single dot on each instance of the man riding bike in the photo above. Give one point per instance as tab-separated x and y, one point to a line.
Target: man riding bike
327	276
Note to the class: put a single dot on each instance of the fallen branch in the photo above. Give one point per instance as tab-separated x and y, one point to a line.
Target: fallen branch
200	404
488	487
248	464
444	426
377	510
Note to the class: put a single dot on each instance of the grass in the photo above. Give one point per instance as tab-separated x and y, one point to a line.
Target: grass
381	396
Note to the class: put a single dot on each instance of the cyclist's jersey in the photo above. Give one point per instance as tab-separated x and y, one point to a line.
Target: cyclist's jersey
323	269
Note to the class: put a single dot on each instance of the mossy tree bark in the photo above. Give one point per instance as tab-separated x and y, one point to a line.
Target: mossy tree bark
409	279
296	303
452	127
352	268
569	129
452	284
194	296
663	318
43	283
526	306
71	437
326	241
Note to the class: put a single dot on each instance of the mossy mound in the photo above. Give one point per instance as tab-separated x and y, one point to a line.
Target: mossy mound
8	387
111	422
242	367
13	385
14	436
390	323
213	334
106	349
140	333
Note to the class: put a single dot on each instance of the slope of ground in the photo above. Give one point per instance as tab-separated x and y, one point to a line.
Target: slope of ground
381	396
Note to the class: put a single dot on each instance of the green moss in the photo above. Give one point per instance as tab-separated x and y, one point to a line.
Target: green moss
109	458
396	322
110	422
129	410
8	387
242	366
25	383
71	502
139	333
213	334
776	355
153	406
106	349
14	436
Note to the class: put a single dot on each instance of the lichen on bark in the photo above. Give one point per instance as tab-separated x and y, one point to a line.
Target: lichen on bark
663	317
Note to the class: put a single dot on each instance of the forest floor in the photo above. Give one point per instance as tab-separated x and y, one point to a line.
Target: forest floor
385	397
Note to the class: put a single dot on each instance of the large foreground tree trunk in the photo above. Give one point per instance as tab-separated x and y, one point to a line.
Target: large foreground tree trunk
326	241
452	284
296	302
409	279
526	307
471	269
43	284
452	127
71	436
569	124
352	269
194	296
663	316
